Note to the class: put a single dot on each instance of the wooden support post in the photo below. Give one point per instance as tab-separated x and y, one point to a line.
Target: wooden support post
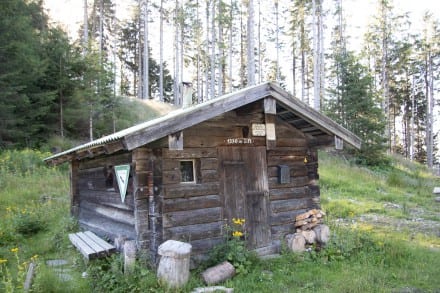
270	111
74	192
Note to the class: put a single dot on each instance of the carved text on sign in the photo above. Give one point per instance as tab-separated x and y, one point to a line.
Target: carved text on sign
239	140
258	129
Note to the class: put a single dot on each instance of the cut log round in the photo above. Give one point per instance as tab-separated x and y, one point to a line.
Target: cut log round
296	242
218	273
322	233
309	236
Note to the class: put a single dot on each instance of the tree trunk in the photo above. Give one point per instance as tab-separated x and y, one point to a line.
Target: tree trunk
161	98
146	85
250	44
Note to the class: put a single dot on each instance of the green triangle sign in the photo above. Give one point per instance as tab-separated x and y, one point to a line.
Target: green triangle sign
122	173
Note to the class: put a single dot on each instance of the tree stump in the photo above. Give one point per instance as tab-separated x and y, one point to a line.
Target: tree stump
174	263
218	273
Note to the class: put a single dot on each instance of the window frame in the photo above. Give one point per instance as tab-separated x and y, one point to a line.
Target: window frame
194	170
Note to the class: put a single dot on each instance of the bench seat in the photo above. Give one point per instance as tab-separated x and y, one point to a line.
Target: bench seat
90	245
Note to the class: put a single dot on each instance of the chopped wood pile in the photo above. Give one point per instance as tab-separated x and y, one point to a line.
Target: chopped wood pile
309	220
310	230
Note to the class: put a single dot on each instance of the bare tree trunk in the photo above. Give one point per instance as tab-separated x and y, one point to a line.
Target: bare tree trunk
86	29
277	42
101	29
146	86
231	28
429	112
250	44
207	69
411	131
213	45
161	97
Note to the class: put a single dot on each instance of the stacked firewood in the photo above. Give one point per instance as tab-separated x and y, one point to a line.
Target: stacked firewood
310	231
309	220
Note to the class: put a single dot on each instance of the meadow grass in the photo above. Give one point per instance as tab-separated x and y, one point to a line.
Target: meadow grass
383	225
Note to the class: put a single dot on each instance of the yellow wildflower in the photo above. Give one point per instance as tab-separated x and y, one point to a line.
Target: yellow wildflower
3	261
237	234
238	221
34	257
14	250
8	209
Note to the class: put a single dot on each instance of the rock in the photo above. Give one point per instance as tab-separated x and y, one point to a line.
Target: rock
296	242
436	190
322	233
174	263
437	199
218	273
309	236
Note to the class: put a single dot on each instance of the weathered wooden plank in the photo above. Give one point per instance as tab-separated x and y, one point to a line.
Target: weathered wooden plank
104	244
279	231
97	248
110	198
189	190
74	188
194	232
209	176
206	244
175	141
184	204
208	164
109	160
191	217
270	106
82	246
98	172
297	170
287	160
170	164
285	152
285	217
122	216
190	153
171	177
286	205
294	182
288	193
106	227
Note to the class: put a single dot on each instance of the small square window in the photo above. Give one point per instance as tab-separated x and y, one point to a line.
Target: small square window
187	171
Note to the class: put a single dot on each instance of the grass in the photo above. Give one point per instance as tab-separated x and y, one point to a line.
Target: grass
384	225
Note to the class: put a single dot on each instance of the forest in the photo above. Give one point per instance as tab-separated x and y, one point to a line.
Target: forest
60	90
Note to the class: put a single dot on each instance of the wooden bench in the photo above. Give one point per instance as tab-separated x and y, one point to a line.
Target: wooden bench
90	245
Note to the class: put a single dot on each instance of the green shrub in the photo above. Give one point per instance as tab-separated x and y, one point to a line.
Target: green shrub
21	162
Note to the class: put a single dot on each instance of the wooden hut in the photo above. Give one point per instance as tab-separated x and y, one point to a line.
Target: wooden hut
250	154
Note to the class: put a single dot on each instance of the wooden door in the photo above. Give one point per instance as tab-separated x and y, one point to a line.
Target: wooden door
244	187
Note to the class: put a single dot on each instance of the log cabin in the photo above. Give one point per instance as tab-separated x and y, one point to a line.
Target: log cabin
251	154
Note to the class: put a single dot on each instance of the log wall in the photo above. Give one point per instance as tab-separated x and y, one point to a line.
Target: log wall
99	205
194	212
301	193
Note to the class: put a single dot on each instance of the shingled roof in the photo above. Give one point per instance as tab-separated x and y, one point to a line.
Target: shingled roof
289	109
